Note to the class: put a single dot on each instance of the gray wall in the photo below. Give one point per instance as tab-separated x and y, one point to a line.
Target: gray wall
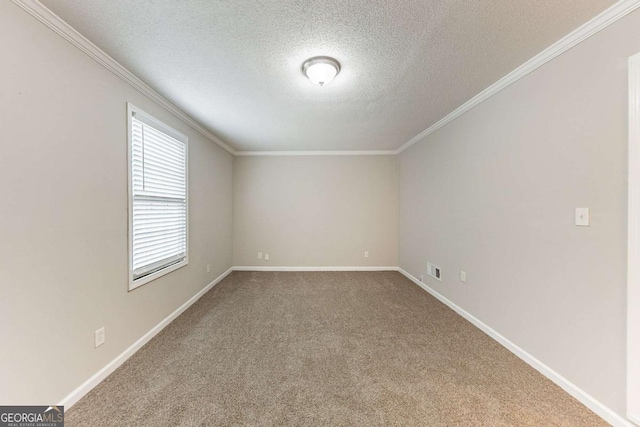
316	210
494	192
63	216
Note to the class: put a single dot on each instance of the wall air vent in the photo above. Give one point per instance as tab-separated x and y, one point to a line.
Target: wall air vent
434	271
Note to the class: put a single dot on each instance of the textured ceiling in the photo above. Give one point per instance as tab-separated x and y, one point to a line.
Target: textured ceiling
234	65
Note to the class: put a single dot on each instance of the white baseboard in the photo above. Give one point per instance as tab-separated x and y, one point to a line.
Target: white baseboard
264	268
586	399
77	394
603	411
96	378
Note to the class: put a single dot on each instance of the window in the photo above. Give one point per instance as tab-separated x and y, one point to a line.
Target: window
158	198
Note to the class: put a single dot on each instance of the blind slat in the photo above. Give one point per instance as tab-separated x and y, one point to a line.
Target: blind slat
159	182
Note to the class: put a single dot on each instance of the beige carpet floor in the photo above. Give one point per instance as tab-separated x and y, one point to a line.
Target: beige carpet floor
324	349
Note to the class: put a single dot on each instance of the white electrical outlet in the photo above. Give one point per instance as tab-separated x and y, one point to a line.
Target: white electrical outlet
208	268
266	257
259	255
463	276
99	337
366	254
582	217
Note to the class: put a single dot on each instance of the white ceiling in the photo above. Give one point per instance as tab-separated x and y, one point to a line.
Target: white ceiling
234	65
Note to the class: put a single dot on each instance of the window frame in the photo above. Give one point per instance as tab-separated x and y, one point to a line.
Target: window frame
162	127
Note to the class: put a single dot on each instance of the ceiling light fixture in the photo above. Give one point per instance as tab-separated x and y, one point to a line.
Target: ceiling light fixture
321	69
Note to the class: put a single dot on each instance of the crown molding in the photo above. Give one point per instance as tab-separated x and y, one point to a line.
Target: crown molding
54	22
603	20
57	24
318	153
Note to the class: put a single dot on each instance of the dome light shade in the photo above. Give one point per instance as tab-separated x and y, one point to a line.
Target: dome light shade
321	69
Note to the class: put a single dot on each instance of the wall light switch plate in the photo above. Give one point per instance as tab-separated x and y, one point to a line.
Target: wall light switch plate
582	217
463	276
366	254
99	337
266	257
259	255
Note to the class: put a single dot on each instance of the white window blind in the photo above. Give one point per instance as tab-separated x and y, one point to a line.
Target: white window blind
158	198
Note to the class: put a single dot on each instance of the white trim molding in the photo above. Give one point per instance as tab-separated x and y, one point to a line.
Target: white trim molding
263	268
633	245
586	399
600	22
58	25
593	404
77	394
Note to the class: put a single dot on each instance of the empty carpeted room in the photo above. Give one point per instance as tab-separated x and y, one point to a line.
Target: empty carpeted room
320	213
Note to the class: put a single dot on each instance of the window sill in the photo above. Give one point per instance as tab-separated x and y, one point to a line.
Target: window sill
133	284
